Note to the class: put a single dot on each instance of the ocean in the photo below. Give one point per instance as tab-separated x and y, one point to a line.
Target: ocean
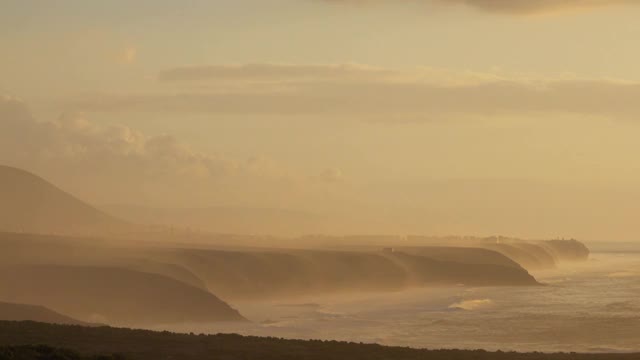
587	307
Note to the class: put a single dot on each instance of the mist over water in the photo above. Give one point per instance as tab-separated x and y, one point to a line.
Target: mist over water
430	174
587	307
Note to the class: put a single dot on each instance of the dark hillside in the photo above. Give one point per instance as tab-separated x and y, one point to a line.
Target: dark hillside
149	345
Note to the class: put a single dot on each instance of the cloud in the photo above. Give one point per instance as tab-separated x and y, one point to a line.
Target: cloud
272	72
73	138
363	91
535	6
518	7
117	163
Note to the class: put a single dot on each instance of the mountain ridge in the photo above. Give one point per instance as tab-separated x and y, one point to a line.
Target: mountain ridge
29	203
27	312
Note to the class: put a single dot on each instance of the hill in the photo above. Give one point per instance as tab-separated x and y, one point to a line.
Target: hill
530	254
465	255
34	249
112	295
246	273
29	203
147	345
23	312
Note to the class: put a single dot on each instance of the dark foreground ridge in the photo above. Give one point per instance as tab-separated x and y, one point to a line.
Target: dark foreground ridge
24	312
30	340
44	352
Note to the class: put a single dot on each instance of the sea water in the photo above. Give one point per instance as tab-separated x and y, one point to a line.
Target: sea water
592	306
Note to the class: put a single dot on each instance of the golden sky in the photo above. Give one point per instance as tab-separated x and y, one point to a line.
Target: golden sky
430	116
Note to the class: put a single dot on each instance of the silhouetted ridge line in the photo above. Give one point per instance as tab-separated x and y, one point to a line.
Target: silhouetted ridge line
113	295
28	203
151	345
26	312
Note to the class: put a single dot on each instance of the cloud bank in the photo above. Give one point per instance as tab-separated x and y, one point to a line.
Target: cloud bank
517	7
126	164
74	138
272	72
535	6
361	91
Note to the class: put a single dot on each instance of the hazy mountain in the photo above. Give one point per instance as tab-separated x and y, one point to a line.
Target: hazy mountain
462	255
530	254
24	312
37	249
29	203
246	274
112	295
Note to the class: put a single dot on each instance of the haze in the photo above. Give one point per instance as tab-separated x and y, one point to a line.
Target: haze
244	179
438	117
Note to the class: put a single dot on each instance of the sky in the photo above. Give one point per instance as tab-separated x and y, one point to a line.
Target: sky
468	117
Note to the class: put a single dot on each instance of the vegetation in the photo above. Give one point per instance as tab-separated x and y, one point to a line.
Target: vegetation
18	337
44	352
